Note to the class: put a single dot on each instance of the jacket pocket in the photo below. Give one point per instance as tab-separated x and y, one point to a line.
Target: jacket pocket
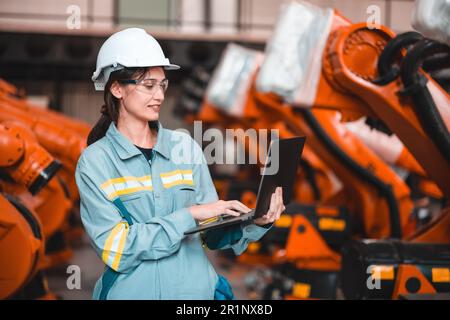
184	196
130	197
139	205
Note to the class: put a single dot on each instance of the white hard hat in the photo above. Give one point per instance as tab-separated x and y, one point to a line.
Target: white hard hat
132	47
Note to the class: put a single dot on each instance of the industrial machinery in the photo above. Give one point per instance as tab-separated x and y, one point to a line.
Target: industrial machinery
29	167
36	174
360	71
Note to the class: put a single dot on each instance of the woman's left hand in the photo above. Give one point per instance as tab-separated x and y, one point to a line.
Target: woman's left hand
275	209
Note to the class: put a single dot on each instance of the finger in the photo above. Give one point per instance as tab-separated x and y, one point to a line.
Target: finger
277	208
282	209
278	216
277	196
271	218
242	206
280	194
280	201
277	204
245	207
280	198
231	212
236	205
272	207
279	213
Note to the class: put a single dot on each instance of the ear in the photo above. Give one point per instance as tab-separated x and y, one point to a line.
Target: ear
116	90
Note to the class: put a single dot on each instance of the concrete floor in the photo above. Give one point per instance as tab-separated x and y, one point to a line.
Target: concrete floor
92	267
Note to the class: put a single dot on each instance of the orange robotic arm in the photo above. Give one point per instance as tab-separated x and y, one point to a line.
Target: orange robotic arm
29	168
352	56
21	247
65	139
408	107
346	82
23	159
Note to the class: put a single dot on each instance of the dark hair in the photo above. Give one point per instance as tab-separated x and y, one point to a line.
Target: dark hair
110	110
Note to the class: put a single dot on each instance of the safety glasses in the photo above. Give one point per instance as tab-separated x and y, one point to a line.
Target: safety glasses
148	86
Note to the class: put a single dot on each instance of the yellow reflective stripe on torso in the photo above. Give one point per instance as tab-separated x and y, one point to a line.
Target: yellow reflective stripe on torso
176	177
126	185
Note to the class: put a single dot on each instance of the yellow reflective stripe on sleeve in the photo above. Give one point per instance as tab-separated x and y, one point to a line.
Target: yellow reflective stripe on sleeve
109	242
123	238
177	177
114	245
126	185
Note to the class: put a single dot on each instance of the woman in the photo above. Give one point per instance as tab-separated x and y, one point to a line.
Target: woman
137	199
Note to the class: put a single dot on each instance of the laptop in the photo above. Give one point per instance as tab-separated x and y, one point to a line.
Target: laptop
280	170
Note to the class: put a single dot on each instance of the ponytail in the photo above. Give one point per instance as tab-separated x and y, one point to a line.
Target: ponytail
110	110
100	128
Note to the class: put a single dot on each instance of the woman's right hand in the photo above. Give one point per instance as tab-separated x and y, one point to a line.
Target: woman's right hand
210	210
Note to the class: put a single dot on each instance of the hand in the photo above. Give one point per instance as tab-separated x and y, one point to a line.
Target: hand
210	210
275	209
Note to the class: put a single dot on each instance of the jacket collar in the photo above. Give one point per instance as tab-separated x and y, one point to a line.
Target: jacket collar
126	149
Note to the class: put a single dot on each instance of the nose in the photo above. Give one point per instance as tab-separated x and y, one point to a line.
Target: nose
159	94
